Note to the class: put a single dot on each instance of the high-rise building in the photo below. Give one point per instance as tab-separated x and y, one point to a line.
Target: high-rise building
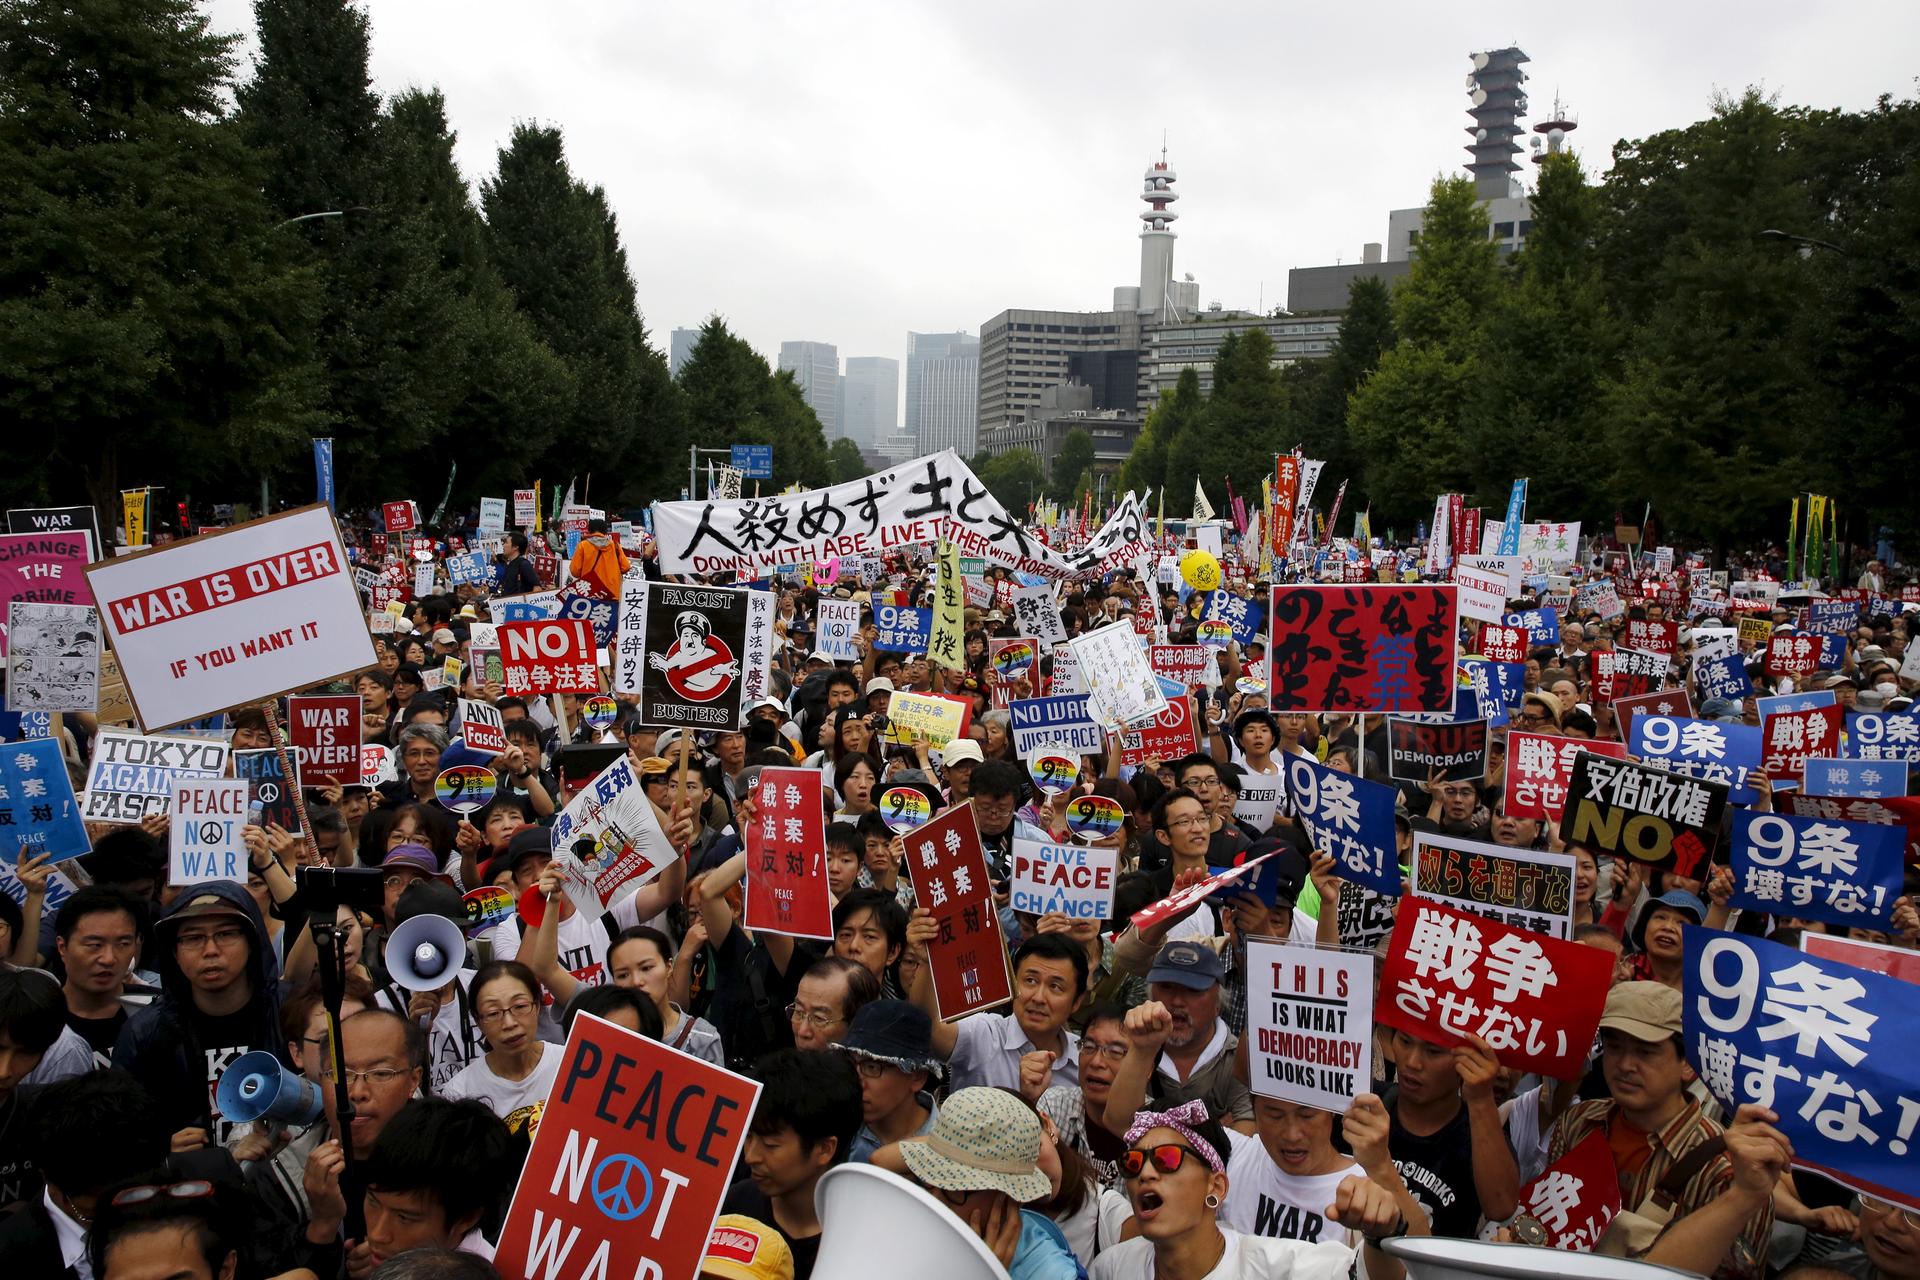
1024	352
942	404
681	349
816	368
870	400
922	347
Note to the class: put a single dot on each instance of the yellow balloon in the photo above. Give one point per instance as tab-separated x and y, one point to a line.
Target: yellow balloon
1201	570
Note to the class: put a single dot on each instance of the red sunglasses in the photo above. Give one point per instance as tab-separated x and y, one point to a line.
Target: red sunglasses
1167	1158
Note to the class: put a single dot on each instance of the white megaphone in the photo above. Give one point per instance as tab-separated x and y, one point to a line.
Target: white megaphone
867	1214
259	1086
425	952
1435	1258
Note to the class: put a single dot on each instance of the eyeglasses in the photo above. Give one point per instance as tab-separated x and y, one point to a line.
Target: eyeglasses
1872	1208
870	1068
1167	1158
222	938
517	1010
401	879
172	1191
820	1019
1191	820
376	1077
1112	1050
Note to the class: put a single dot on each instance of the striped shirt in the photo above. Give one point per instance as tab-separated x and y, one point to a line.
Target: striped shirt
1746	1259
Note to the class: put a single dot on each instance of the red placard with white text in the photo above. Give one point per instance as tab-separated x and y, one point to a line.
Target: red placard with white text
787	856
631	1157
1539	767
948	867
1651	636
1787	738
1501	643
399	516
326	733
1536	1000
1577	1197
551	655
1170	735
1174	903
1793	654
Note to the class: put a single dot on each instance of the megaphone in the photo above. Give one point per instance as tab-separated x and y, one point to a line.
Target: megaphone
258	1085
867	1213
1434	1258
425	952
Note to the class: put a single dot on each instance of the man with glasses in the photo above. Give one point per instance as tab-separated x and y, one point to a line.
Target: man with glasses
830	995
218	1001
1201	776
419	747
385	1058
891	1044
1890	1237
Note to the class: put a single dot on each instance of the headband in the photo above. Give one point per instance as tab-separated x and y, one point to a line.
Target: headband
1181	1120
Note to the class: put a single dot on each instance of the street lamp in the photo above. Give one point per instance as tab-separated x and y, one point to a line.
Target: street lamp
1806	244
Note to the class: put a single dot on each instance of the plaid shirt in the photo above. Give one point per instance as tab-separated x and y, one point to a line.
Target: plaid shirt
1746	1260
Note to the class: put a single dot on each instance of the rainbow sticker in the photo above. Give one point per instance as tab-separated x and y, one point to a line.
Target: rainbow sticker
1095	817
465	787
1054	772
1013	661
1215	633
1249	684
487	907
904	809
599	710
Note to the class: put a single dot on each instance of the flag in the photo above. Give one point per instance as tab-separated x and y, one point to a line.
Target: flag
323	471
1202	509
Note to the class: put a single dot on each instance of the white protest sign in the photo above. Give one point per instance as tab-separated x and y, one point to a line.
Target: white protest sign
53	656
1486	583
132	775
1073	880
205	843
1035	614
838	622
423	579
233	618
1310	1016
1115	673
482	726
526	510
1714	642
1259	799
607	842
493	515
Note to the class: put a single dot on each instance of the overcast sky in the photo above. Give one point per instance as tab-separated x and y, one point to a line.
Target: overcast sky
845	172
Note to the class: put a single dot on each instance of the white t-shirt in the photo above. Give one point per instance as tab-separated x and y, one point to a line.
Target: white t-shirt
1265	1200
1245	1258
582	942
518	1102
454	1038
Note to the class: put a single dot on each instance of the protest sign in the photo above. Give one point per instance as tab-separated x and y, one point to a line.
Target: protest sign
269	790
1175	903
1187	664
1063	718
1866	779
1651	635
786	856
1243	615
482	726
1484	584
398	517
1502	643
1626	673
1713	642
1542	625
687	652
1073	880
325	732
1168	736
554	655
531	607
1599	597
902	630
1724	676
1793	655
376	764
1415	750
132	776
1884	735
1789	737
1832	617
1900	811
1639	811
1811	1040
115	706
44	568
838	622
633	1150
607	841
1378	648
1261	800
1755	629
204	837
526	508
1066	672
1014	665
1709	749
1805	700
1310	1019
53	656
1035	614
968	955
1673	703
1348	817
1545	543
597	612
493	515
1577	1197
233	618
84	520
1117	677
938	717
1845	873
1536	1000
1525	888
1896	962
37	804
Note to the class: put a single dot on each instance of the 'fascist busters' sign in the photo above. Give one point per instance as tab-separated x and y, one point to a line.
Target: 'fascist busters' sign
633	1154
689	652
968	955
1310	1017
1638	811
1363	648
234	617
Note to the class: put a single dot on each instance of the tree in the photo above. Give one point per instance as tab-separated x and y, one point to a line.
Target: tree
1071	463
731	396
1015	479
1145	469
844	461
1320	389
1409	416
152	328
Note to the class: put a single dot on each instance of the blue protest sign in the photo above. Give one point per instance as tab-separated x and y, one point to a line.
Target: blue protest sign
1807	701
1064	718
1244	615
528	610
36	801
1883	735
1543	625
323	471
1859	779
1845	873
1516	513
1350	818
603	614
470	567
753	461
1832	617
1832	1050
902	630
1705	749
1722	677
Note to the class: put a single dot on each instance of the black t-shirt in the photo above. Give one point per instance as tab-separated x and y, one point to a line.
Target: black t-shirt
738	966
746	1199
99	1033
19	1179
1438	1169
223	1039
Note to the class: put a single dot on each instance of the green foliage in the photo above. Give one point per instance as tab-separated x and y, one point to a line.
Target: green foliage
1146	466
1321	388
1071	463
1015	478
844	462
731	396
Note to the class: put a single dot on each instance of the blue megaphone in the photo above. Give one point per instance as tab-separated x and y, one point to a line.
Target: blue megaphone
257	1085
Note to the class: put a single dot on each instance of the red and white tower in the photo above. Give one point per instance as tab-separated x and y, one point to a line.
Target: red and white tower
1156	242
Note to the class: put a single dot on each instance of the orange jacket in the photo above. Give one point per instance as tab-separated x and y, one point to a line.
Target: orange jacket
601	562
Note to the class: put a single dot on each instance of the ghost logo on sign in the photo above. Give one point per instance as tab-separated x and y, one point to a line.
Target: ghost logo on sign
699	666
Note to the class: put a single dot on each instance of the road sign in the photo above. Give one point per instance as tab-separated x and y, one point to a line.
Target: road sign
753	461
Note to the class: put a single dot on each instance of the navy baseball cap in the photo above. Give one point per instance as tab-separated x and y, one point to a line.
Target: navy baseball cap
1188	964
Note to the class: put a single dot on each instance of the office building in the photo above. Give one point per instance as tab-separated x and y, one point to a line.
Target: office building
681	349
816	368
922	347
870	400
1195	344
1022	353
943	398
1045	425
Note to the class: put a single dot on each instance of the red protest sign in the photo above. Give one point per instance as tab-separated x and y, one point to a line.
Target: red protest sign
1895	962
1380	648
1534	999
1501	643
1650	636
1576	1197
1900	811
550	655
632	1156
373	763
1626	673
399	516
1173	904
326	733
1667	702
1793	655
1787	738
968	956
786	856
1170	736
1186	663
1539	767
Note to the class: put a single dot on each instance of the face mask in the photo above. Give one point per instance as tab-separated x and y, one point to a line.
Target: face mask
1887	690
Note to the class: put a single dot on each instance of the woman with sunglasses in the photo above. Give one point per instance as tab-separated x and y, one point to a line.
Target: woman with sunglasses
1175	1170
